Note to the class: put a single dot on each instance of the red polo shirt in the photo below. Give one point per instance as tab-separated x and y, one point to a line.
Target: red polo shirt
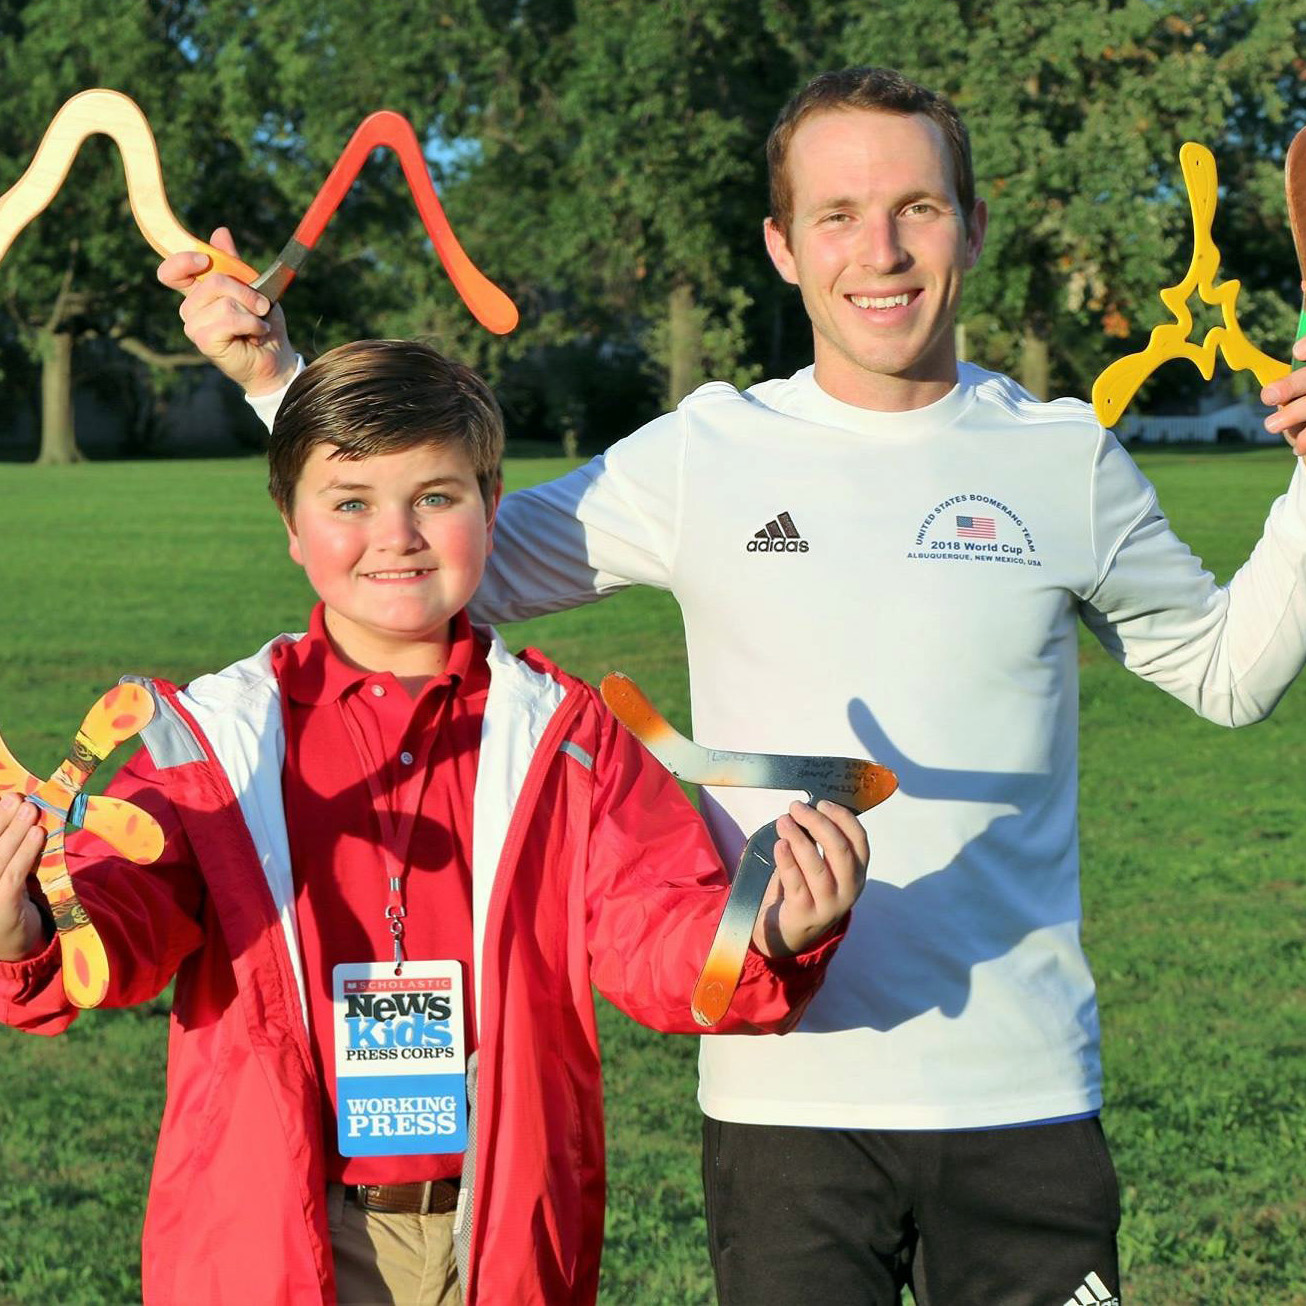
341	724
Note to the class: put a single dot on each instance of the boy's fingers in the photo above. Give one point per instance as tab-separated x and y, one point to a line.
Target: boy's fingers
853	830
817	874
19	826
829	826
793	883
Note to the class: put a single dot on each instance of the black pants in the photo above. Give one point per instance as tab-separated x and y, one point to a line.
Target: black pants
846	1217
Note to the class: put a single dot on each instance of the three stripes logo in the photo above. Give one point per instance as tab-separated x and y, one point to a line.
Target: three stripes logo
779	535
1093	1292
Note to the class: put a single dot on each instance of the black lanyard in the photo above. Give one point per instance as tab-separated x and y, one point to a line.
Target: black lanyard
396	836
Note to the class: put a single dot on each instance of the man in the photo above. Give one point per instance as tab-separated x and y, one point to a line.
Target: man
934	1119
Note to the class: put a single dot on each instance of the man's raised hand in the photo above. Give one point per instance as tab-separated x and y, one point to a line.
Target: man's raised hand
230	323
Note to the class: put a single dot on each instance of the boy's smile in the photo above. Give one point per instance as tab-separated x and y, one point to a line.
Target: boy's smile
879	247
395	545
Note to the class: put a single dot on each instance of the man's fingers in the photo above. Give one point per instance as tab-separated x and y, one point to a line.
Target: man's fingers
178	271
214	328
222	239
219	289
1288	394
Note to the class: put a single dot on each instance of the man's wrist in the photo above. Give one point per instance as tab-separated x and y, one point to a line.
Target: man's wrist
279	382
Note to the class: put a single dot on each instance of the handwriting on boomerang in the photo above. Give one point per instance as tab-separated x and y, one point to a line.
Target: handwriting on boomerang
1117	385
117	116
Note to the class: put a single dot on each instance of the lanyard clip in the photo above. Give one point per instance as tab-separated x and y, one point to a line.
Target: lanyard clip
395	914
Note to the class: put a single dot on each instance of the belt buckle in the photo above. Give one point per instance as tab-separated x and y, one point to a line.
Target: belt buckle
424	1206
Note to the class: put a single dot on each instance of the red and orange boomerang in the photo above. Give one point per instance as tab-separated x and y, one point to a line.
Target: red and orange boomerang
124	711
120	118
851	781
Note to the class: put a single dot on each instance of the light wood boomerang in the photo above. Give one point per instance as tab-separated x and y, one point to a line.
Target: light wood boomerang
114	115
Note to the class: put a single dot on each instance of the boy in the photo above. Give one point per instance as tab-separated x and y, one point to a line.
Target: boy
319	801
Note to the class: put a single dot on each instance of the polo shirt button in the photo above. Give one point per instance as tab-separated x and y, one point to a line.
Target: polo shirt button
406	758
378	691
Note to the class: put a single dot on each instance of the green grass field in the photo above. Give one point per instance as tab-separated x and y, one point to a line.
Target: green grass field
1194	843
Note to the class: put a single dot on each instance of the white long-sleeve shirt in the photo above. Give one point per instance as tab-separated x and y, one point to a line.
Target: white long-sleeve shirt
906	586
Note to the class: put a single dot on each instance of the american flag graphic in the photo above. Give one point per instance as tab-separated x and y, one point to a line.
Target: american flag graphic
976	528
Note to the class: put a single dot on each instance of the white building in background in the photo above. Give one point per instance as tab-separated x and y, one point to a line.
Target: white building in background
1218	420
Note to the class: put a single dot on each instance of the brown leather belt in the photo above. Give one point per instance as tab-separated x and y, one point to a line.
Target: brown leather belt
435	1197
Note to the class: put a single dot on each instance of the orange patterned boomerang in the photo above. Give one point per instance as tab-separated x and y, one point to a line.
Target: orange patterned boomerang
855	783
119	714
119	117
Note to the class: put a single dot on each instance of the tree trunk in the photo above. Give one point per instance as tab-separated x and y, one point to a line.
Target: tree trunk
58	438
685	346
1034	368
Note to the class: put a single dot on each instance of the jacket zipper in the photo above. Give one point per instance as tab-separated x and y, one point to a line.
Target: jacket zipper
563	719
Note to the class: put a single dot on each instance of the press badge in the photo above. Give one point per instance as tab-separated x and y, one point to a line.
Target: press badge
401	1060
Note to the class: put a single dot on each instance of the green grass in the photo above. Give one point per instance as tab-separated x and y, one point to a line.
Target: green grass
1194	844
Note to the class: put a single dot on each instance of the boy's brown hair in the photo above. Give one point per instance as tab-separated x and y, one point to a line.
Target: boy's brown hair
879	90
382	396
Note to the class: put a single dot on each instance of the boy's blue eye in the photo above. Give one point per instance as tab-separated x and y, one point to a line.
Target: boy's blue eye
435	499
350	505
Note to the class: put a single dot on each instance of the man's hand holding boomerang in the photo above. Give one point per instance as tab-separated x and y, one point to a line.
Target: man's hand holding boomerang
230	322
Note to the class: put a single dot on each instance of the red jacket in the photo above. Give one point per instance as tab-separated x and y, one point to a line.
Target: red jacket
589	867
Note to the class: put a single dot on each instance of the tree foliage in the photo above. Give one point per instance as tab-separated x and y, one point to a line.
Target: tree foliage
81	270
603	160
1077	112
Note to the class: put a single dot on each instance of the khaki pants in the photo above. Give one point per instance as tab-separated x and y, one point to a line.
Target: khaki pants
391	1260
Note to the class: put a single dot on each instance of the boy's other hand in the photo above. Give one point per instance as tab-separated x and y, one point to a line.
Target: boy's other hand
820	868
22	933
229	322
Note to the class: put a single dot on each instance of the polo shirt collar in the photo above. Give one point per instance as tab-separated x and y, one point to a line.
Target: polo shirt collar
313	673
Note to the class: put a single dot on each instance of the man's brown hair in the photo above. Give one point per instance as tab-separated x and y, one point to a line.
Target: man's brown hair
383	396
881	90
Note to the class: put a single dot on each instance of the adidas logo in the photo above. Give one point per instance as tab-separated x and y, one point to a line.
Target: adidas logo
779	535
1093	1292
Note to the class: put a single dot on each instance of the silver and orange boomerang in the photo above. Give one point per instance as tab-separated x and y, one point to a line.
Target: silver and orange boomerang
855	783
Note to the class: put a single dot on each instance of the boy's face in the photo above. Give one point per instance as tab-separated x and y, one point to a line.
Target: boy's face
394	545
879	248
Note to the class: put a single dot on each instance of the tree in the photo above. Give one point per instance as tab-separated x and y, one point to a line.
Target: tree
81	270
1076	114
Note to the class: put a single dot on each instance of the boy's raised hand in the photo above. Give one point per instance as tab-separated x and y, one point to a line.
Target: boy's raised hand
230	323
22	933
820	868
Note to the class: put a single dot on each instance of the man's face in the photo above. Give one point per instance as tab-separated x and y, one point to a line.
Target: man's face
879	249
394	545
